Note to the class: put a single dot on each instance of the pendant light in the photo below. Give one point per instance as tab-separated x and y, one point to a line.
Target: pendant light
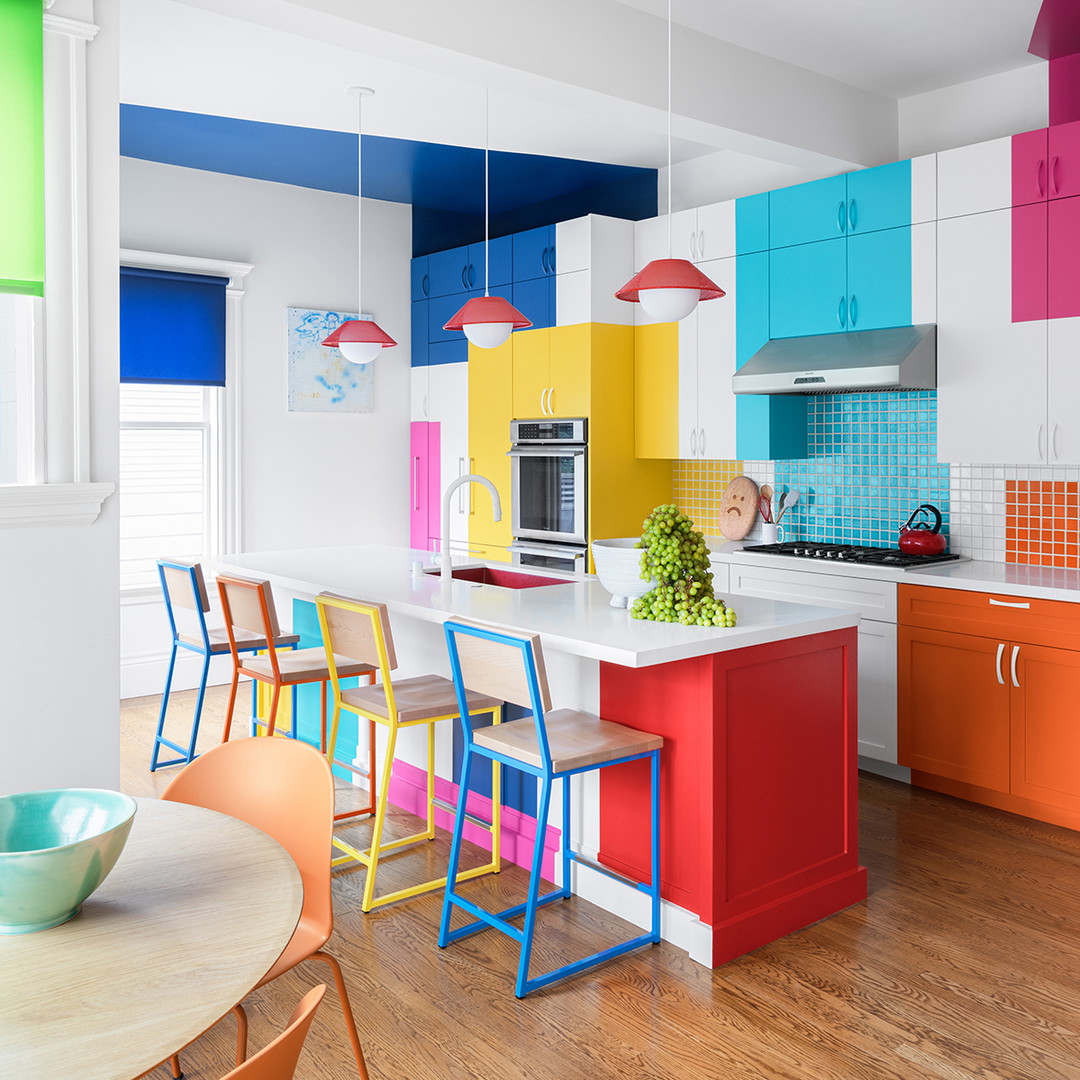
669	289
360	340
487	320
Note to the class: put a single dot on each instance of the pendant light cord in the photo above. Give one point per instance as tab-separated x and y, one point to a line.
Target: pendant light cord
359	202
669	185
487	199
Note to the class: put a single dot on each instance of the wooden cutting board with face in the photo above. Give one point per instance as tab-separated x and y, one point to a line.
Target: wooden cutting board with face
738	508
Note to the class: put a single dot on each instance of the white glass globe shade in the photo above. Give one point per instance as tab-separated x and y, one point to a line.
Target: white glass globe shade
488	335
668	305
360	352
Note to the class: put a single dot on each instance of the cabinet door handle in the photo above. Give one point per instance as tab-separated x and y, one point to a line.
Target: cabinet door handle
464	279
426	413
1054	175
852	215
1039	442
701	442
543	260
853	311
1040	178
701	244
416	482
461	470
1054	442
997	664
551	260
693	442
425	285
472	275
551	401
841	312
1009	603
841	220
1012	666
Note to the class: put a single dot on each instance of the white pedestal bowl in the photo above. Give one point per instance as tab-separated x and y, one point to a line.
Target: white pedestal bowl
618	566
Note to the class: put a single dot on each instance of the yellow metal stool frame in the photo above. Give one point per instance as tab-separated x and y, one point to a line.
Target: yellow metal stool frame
363	629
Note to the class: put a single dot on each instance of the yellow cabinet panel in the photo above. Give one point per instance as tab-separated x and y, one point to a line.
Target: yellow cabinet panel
531	351
490	412
569	369
656	398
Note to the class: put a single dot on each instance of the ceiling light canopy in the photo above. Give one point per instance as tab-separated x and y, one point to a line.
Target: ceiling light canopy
360	340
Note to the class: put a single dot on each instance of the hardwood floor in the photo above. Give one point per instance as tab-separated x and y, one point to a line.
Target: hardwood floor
961	965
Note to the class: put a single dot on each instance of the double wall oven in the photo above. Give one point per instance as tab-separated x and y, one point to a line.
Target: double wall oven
549	467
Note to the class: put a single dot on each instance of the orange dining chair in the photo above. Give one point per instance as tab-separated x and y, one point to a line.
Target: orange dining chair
362	630
277	1060
285	788
186	605
249	608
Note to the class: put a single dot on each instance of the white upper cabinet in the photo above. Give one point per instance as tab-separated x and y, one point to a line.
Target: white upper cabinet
595	259
974	179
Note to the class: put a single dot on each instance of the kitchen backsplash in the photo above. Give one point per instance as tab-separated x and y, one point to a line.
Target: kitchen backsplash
873	459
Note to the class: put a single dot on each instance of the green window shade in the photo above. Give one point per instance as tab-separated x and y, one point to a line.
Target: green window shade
22	152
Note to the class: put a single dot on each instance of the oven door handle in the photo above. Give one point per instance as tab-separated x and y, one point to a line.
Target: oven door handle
545	451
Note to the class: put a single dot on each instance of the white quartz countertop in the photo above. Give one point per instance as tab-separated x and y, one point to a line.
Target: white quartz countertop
576	618
1006	579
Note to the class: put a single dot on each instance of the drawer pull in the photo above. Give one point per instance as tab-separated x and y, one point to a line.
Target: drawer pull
1012	666
997	664
1008	603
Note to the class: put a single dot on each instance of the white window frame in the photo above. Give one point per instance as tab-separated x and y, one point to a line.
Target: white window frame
225	514
60	491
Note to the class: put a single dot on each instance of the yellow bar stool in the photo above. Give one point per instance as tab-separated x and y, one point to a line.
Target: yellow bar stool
361	630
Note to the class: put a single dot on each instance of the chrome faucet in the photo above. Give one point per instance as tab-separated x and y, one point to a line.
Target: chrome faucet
496	507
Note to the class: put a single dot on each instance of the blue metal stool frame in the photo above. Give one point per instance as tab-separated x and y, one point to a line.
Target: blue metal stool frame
547	774
202	644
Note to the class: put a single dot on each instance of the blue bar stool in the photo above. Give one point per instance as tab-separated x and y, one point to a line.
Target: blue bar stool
186	604
550	745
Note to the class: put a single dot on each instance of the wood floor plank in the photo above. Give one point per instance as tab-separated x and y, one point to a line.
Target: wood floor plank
960	965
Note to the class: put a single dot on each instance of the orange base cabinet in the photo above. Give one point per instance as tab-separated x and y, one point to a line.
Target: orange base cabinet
988	699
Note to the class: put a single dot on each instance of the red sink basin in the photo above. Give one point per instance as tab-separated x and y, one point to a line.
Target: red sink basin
504	579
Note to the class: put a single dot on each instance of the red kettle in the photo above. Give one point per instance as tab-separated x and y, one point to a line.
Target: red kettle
919	538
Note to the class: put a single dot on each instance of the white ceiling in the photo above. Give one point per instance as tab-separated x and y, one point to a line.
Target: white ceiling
798	87
895	48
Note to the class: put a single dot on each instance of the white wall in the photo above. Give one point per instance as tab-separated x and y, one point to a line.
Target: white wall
975	111
58	584
307	479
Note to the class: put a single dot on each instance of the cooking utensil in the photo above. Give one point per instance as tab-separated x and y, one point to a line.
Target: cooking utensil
920	538
778	506
765	509
790	500
766	493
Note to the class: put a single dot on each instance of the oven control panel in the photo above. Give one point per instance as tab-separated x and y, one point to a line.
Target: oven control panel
547	431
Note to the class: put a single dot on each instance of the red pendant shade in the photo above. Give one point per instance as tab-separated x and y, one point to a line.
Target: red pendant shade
670	274
366	330
487	309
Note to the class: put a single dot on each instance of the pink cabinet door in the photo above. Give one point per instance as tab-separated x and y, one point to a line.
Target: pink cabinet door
1063	161
1063	258
1029	262
1029	167
424	486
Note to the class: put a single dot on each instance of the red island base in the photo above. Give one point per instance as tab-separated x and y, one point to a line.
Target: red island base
759	808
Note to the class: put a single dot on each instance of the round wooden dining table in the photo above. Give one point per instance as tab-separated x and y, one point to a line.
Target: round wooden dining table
195	912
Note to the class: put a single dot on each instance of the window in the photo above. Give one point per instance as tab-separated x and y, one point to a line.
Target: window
170	477
18	316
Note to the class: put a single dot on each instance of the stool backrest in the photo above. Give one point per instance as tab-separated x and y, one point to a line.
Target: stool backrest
359	629
186	599
281	786
503	664
248	604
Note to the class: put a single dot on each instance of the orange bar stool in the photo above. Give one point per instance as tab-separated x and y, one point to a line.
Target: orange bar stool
186	604
361	629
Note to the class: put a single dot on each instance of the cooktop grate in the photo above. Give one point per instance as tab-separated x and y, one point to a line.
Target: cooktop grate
808	549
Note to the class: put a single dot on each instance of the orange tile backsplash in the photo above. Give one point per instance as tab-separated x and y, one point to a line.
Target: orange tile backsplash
1042	524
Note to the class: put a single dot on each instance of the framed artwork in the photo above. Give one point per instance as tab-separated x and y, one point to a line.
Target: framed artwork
321	379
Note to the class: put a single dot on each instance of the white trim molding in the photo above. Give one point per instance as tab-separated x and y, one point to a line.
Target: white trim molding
52	504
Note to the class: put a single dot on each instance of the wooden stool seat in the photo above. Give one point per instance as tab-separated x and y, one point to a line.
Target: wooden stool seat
219	640
304	666
576	740
424	697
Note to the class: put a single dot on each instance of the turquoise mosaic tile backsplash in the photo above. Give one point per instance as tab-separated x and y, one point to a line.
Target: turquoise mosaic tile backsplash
872	459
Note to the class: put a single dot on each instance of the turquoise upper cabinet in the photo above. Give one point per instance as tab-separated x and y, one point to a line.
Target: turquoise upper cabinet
808	212
879	198
879	279
808	289
751	224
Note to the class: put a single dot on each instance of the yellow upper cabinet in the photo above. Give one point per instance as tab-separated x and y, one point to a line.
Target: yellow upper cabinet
552	371
656	393
490	412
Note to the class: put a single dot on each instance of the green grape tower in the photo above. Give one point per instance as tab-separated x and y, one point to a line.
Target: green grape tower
675	557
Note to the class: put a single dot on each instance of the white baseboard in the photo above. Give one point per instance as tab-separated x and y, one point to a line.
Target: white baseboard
144	673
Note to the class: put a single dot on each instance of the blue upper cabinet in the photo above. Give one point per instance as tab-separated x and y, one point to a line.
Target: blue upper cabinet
808	212
461	269
857	202
534	253
419	333
420	285
500	257
535	299
448	272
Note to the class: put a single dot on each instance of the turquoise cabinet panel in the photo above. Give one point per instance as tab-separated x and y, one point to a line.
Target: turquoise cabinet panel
879	279
535	299
879	198
807	289
534	253
766	427
808	212
751	224
419	333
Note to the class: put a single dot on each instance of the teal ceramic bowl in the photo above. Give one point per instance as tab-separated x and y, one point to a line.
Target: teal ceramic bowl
56	848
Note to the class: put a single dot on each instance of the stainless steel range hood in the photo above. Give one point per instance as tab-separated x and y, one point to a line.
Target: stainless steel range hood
897	358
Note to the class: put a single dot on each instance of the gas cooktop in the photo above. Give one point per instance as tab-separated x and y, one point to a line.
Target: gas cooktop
808	549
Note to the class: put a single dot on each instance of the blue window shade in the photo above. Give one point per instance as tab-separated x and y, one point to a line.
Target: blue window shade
172	327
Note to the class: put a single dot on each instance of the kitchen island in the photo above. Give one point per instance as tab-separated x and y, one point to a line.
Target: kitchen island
758	797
